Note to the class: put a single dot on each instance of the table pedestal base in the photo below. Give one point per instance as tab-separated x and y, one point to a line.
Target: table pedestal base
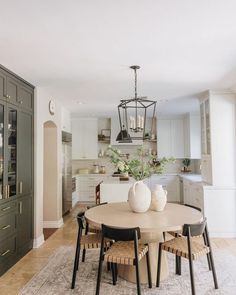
128	272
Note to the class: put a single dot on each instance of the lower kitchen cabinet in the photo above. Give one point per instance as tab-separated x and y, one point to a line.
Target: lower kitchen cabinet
193	194
8	253
24	225
87	185
169	183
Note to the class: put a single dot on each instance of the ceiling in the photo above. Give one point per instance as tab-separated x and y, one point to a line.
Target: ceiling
81	50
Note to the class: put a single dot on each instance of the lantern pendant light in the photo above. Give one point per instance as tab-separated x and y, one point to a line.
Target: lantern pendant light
133	114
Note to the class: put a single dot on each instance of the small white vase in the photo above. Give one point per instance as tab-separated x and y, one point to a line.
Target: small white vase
139	197
159	198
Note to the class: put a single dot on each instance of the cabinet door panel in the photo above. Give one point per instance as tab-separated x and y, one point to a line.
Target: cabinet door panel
24	153
84	139
177	138
3	81
25	98
164	138
12	90
11	159
24	222
2	140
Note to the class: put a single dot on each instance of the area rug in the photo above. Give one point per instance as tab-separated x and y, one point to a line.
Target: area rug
55	277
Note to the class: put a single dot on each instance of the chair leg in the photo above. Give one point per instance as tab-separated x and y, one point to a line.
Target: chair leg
99	276
116	271
213	270
159	266
176	265
149	270
76	266
208	256
113	271
137	278
108	266
179	266
191	275
83	255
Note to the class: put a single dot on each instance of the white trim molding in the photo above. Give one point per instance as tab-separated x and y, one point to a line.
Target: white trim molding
53	223
37	242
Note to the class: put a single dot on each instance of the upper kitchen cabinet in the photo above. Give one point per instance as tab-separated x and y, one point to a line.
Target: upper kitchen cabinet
25	97
84	139
16	91
3	85
192	127
218	137
170	138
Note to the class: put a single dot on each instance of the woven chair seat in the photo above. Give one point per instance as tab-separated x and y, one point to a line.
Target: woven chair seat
123	253
179	247
94	230
93	241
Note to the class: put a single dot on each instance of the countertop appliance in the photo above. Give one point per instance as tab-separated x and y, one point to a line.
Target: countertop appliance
66	172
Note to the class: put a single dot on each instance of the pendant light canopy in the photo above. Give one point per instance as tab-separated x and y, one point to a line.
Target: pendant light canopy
133	114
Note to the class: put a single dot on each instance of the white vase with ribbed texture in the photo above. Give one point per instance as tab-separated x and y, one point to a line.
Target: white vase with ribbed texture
159	198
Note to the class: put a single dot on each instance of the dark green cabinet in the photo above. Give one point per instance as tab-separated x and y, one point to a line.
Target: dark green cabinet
24	153
24	224
16	168
3	84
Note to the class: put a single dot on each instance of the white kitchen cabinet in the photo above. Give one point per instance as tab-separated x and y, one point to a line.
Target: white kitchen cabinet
65	120
192	136
170	138
115	129
218	114
87	185
84	139
169	183
193	194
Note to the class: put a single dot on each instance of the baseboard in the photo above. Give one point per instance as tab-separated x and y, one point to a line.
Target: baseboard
53	223
223	235
37	242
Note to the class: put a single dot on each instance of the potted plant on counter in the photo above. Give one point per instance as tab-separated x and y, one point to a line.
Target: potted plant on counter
139	166
186	162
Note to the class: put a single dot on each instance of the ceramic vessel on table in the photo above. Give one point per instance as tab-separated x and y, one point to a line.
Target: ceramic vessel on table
159	198
139	197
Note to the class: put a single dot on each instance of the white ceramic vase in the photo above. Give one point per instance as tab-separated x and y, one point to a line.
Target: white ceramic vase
139	197
159	198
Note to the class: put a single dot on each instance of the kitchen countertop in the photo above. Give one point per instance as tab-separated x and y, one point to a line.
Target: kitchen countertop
116	180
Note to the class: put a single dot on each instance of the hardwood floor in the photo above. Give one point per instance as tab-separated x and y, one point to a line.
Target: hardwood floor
47	232
13	280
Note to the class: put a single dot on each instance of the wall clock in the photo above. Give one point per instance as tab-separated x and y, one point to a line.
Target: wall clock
51	107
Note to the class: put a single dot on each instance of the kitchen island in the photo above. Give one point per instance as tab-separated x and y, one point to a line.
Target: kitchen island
114	190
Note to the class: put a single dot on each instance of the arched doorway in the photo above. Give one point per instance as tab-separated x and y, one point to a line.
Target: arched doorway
51	200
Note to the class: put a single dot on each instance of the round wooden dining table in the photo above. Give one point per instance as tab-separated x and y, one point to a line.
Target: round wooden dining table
152	225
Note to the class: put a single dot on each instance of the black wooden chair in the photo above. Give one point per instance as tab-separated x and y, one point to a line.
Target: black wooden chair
86	241
126	250
186	246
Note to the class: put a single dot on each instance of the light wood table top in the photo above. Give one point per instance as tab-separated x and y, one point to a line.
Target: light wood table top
120	215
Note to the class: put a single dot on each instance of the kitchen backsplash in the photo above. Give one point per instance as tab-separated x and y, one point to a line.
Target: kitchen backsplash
109	167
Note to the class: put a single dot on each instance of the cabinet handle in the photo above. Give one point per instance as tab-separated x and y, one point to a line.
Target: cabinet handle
5	253
8	191
20	207
20	187
6	208
6	226
20	101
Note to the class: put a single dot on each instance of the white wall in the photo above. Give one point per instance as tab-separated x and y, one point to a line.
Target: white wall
51	211
42	115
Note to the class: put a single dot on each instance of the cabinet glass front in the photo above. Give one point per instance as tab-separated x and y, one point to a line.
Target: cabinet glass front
1	149
12	136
